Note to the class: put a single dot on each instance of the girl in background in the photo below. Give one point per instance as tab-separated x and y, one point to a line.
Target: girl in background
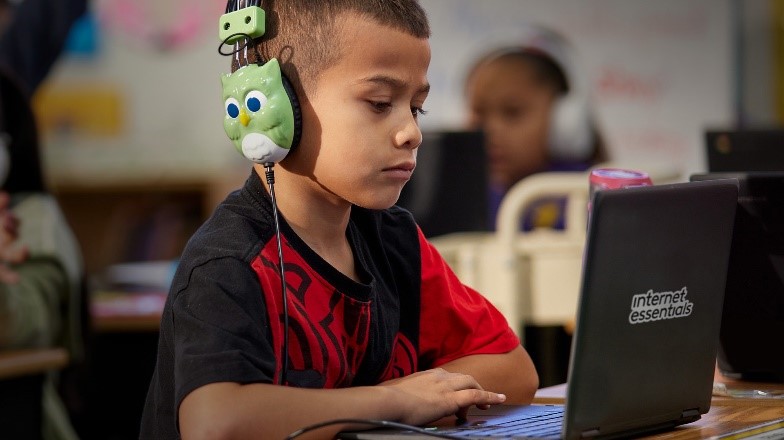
533	106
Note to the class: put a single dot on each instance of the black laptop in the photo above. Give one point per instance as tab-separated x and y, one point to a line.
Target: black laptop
741	150
451	175
752	328
647	331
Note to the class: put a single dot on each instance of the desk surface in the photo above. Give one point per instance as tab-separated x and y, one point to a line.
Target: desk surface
17	363
127	312
727	414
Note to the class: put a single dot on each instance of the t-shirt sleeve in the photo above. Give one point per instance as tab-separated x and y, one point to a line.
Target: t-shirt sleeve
220	328
456	320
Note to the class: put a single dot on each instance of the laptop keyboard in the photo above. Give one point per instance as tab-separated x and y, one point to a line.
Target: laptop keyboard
545	423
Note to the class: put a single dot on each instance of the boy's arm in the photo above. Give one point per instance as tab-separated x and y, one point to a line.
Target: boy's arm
230	410
461	331
512	374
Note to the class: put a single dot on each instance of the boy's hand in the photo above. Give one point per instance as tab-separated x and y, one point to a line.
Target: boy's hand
10	252
432	394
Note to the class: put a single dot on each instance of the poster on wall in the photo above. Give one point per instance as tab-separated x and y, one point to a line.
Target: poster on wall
659	73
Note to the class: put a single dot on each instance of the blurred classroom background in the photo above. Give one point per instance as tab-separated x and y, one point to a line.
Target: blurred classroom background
131	116
134	148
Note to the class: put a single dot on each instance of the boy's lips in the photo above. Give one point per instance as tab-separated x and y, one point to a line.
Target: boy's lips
402	170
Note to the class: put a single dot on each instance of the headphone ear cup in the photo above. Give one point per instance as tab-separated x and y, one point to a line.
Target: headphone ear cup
571	135
295	108
263	117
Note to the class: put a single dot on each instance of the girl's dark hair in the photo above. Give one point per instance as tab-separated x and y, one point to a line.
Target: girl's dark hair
545	69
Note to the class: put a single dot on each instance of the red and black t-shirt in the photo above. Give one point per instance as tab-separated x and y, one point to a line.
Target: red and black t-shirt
223	318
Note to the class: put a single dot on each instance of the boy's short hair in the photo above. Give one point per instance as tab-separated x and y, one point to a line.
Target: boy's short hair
302	34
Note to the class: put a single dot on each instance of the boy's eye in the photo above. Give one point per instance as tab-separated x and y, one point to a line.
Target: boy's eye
380	106
418	111
232	108
255	101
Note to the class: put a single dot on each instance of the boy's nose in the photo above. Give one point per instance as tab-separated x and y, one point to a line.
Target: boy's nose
409	136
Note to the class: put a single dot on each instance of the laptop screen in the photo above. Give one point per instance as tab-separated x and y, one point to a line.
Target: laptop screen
745	150
753	317
448	191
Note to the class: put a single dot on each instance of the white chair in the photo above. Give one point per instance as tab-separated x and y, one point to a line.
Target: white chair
533	276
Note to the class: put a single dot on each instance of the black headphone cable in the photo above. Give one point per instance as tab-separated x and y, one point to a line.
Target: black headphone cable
270	175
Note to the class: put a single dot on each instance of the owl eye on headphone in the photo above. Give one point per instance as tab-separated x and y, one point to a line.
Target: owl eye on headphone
255	101
232	108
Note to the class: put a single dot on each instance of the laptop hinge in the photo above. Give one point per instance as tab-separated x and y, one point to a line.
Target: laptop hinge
588	433
690	413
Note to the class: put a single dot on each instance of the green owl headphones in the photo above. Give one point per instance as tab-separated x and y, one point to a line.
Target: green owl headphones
262	113
262	119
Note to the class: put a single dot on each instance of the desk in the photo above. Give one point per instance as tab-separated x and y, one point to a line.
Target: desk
124	344
22	374
121	312
732	384
18	363
727	414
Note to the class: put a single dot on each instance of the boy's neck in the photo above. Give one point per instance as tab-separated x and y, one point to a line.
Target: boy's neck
321	223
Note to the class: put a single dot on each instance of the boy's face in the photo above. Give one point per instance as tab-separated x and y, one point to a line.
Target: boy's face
513	109
360	131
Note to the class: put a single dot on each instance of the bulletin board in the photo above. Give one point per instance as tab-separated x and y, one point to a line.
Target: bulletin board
660	72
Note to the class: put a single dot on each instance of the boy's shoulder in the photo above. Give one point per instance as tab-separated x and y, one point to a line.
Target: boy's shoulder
238	227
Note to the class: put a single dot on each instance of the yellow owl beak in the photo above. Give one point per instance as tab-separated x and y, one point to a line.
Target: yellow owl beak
244	118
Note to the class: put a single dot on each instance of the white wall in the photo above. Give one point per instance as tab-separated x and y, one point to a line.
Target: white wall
174	109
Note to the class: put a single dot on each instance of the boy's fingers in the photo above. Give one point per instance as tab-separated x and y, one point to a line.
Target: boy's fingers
479	398
466	398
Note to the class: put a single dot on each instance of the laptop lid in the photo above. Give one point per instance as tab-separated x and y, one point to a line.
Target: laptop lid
652	289
645	345
753	316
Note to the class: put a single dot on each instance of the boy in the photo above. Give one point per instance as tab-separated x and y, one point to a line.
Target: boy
379	327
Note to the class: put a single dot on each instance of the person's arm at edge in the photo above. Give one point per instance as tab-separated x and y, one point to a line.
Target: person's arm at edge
230	410
29	308
512	374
